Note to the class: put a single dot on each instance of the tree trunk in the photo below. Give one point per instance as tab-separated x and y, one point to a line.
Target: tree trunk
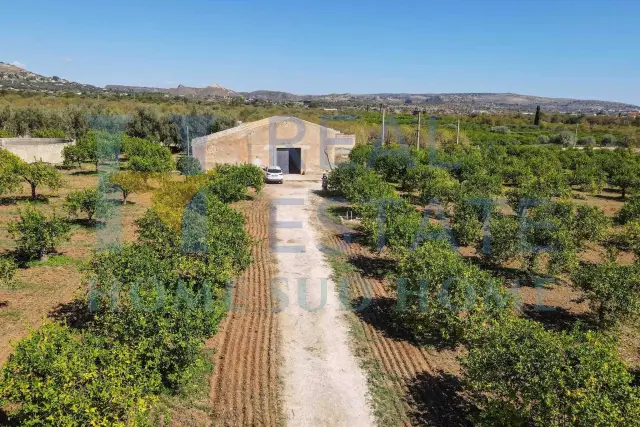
124	198
33	192
624	192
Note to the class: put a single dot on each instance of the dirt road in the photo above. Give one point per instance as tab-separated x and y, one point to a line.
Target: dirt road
323	383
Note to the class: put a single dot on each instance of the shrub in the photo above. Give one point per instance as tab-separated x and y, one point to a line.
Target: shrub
390	163
630	211
7	270
128	182
57	378
543	139
250	176
227	190
565	138
36	234
73	155
89	201
438	185
170	201
361	154
39	173
49	133
394	224
608	140
613	290
146	156
453	294
520	374
165	331
188	165
467	221
504	242
10	180
587	141
500	129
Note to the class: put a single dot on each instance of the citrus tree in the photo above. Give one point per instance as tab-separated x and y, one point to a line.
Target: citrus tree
518	373
36	234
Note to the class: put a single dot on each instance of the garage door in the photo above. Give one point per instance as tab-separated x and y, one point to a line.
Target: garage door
283	159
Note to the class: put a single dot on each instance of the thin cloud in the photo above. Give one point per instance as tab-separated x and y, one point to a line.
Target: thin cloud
67	59
17	64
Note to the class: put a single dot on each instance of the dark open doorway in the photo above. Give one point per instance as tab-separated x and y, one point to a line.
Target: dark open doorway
290	160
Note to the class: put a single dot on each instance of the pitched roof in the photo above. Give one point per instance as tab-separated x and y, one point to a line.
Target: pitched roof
246	127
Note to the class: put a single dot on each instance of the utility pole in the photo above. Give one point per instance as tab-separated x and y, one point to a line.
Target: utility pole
383	134
577	124
419	116
188	142
458	133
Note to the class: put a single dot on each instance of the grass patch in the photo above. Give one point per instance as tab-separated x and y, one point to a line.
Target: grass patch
7	315
54	261
340	265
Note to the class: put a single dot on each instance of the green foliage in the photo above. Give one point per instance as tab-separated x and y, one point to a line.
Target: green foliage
89	201
10	180
565	138
7	270
630	211
39	173
500	129
165	327
438	184
445	293
359	184
626	175
587	141
613	291
608	140
129	182
38	235
468	218
504	242
247	175
520	374
390	163
395	224
227	190
49	133
361	154
55	377
188	165
157	159
147	123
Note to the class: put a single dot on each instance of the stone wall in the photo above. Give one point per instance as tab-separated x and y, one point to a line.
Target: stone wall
34	149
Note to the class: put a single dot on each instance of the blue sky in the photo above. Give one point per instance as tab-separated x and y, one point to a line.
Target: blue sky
580	49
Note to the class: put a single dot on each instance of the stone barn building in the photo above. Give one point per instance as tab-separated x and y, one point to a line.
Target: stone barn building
36	149
296	145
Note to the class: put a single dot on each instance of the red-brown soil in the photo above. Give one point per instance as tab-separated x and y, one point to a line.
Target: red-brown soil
244	386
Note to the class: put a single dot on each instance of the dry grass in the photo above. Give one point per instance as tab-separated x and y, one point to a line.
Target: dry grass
40	288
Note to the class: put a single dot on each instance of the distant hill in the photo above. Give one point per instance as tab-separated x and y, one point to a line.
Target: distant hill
16	78
453	102
209	92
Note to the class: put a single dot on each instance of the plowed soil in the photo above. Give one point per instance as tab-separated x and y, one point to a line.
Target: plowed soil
244	386
411	385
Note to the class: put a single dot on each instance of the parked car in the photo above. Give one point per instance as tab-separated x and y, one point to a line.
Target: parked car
274	174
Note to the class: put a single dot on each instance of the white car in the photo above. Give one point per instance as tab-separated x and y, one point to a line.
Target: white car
273	174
